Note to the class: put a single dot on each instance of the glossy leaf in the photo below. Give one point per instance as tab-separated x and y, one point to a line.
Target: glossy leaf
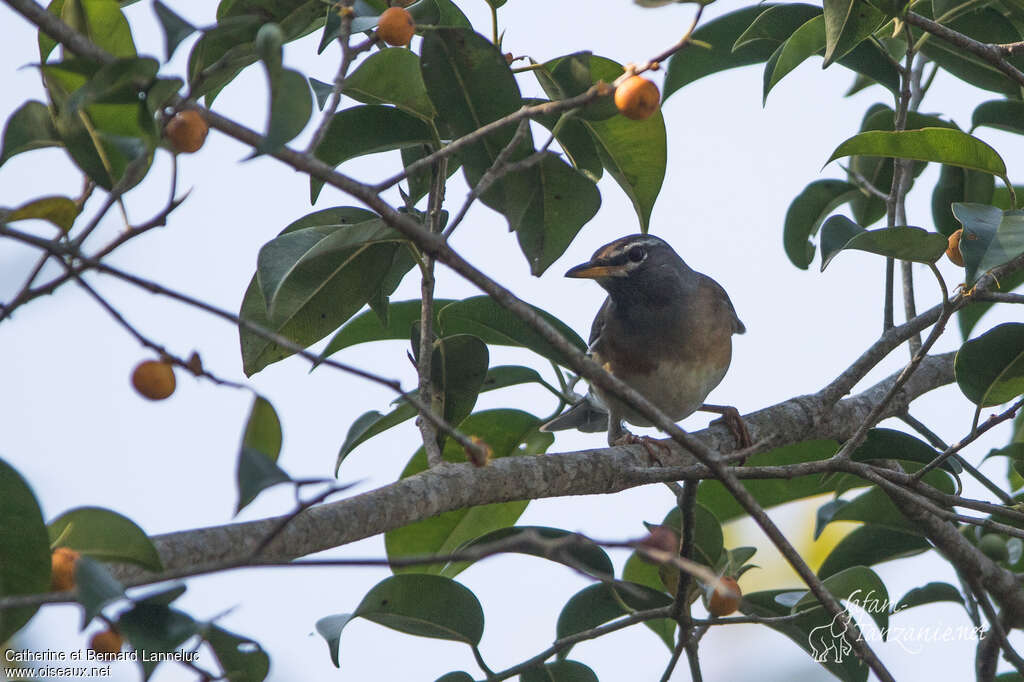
811	631
870	545
102	22
847	24
569	76
155	628
575	140
242	659
24	548
985	25
391	76
1003	114
881	444
559	671
119	82
929	594
990	368
582	555
290	108
503	430
597	604
59	211
707	533
106	535
774	24
839	233
29	127
493	324
858	583
942	145
330	628
175	28
426	606
958	185
458	369
806	214
367	326
367	129
95	588
991	237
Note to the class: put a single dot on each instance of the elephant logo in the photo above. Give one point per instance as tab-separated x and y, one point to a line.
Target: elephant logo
831	639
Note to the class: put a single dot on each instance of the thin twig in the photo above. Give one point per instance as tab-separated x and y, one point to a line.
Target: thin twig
992	421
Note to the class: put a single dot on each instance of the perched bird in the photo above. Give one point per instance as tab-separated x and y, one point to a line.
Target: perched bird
665	329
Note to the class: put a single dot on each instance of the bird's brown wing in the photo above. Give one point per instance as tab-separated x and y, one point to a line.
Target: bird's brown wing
737	326
598	326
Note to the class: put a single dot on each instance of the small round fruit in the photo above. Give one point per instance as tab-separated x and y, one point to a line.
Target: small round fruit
953	250
186	131
106	642
994	547
62	569
726	597
154	379
637	98
396	27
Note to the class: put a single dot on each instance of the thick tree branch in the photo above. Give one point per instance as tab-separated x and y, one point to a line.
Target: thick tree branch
993	54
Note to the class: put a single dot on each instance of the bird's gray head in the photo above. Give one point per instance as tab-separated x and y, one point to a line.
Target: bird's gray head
640	265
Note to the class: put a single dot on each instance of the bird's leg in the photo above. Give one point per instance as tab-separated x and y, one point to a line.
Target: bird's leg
619	435
731	416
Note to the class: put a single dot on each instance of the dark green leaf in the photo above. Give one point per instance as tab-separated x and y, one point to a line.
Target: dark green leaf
991	237
990	368
242	659
968	316
255	473
929	594
367	327
162	596
367	129
582	554
457	676
870	545
330	629
155	629
106	535
806	214
175	28
575	140
426	606
457	371
707	533
391	76
839	233
95	588
493	324
891	444
1003	114
559	671
322	91
419	182
24	548
985	25
503	431
290	108
569	76
958	185
859	584
847	23
29	127
597	604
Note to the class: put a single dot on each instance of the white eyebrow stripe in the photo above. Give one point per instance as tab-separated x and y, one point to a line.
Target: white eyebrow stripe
649	241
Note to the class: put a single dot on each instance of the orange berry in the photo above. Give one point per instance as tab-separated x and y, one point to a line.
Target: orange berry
725	599
637	98
62	569
106	642
953	250
396	26
186	131
154	379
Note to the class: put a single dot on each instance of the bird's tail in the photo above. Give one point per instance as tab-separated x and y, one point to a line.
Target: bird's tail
587	416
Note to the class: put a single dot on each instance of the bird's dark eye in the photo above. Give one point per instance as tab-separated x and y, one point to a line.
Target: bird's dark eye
636	254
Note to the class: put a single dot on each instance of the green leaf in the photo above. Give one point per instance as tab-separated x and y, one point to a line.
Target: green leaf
106	535
873	507
457	370
770	493
95	588
367	326
24	548
391	76
929	594
985	25
290	108
969	316
119	82
1003	114
582	555
155	628
102	22
256	472
806	214
425	606
990	368
958	185
263	429
457	676
29	127
597	604
991	237
419	182
847	23
330	628
870	545
859	584
570	75
241	658
811	631
805	41
367	129
880	444
59	211
175	28
942	145
774	24
839	233
574	139
502	430
559	671
723	32
707	533
495	325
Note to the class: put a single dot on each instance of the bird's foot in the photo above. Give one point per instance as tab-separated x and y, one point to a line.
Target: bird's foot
652	445
731	417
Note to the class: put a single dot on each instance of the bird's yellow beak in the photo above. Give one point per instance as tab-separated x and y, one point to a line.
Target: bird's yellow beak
595	269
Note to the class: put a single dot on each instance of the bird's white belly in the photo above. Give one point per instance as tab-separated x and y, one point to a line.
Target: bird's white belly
678	389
